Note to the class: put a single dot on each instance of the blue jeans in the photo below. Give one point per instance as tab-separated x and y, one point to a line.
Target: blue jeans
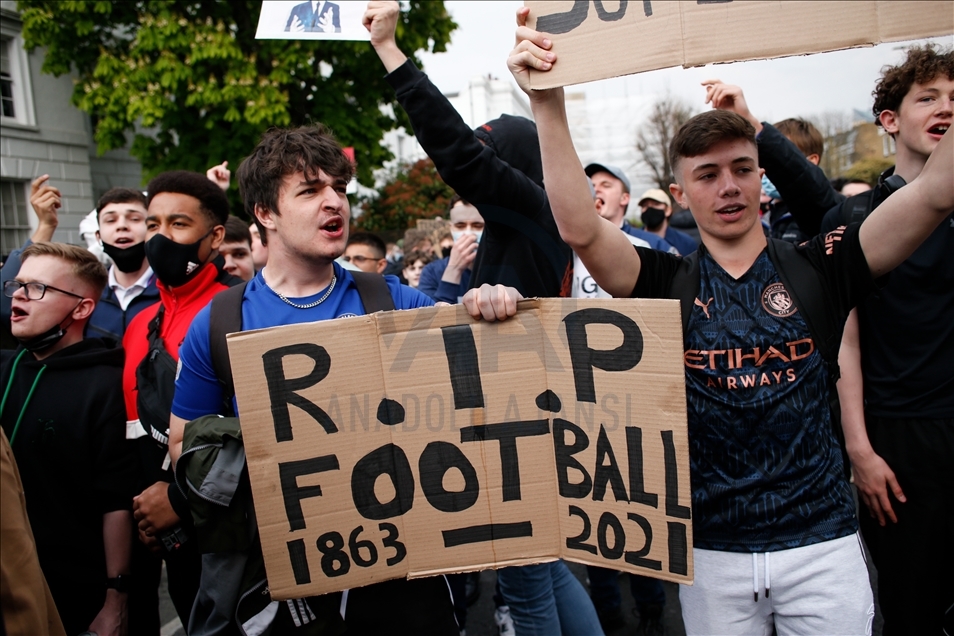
604	589
547	600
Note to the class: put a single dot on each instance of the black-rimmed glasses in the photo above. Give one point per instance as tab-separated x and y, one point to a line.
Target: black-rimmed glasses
34	291
360	260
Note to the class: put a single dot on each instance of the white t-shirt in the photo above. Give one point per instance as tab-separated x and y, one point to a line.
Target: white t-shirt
583	284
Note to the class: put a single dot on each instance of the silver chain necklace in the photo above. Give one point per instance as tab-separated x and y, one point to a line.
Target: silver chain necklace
324	297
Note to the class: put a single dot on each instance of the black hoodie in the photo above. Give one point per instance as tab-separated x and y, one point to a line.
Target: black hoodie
498	169
74	460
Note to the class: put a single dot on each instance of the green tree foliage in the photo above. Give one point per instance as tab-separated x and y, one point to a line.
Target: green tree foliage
868	170
192	83
415	191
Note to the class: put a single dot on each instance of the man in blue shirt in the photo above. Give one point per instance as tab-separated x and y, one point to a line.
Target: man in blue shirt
294	184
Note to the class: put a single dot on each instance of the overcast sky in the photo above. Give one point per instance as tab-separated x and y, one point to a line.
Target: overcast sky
775	89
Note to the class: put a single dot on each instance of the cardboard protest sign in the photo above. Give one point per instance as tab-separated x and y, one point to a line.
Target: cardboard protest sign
411	443
596	40
309	20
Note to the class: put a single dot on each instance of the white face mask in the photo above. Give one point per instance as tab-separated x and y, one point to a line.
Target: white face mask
457	234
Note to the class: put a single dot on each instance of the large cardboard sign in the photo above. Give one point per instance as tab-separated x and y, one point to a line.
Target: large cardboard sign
600	39
411	443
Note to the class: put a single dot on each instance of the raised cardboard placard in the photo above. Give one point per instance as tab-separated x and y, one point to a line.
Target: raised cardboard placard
595	40
411	443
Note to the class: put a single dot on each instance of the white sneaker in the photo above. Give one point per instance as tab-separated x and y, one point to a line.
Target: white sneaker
504	621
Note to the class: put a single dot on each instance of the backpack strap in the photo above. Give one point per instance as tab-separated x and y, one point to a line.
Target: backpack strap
225	317
804	283
374	292
685	286
856	209
154	329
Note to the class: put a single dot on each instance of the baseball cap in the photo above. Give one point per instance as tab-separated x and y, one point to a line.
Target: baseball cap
655	194
593	168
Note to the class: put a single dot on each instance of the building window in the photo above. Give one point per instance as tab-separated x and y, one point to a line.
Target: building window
6	81
14	215
16	96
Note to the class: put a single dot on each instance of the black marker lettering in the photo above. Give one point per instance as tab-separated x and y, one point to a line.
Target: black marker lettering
556	23
608	473
387	460
461	352
486	532
608	520
289	472
678	548
299	561
564	459
673	509
623	358
436	460
638	557
507	434
281	390
607	16
634	450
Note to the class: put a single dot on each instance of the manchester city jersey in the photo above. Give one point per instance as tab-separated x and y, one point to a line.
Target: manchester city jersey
767	471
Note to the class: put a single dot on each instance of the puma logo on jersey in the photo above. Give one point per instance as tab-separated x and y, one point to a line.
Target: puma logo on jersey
704	305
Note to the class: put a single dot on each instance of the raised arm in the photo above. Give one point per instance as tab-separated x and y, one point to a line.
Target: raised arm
898	226
606	252
473	170
46	200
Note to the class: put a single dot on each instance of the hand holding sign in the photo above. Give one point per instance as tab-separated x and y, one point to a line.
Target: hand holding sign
492	302
531	51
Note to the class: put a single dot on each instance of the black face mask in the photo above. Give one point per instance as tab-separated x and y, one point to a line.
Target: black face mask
445	251
128	259
175	264
653	217
49	337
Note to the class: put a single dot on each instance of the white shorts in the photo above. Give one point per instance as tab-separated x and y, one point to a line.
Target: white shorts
817	589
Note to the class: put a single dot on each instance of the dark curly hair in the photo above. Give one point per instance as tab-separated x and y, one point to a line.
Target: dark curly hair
212	201
284	151
922	66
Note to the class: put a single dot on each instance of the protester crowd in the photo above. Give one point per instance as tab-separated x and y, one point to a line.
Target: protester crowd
119	384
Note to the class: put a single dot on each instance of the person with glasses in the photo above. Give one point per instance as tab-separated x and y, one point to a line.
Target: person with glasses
366	252
64	415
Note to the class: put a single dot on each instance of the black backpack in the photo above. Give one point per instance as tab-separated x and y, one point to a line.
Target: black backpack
857	208
156	374
156	383
226	317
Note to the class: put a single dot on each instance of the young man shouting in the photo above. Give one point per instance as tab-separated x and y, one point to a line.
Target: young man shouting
294	185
